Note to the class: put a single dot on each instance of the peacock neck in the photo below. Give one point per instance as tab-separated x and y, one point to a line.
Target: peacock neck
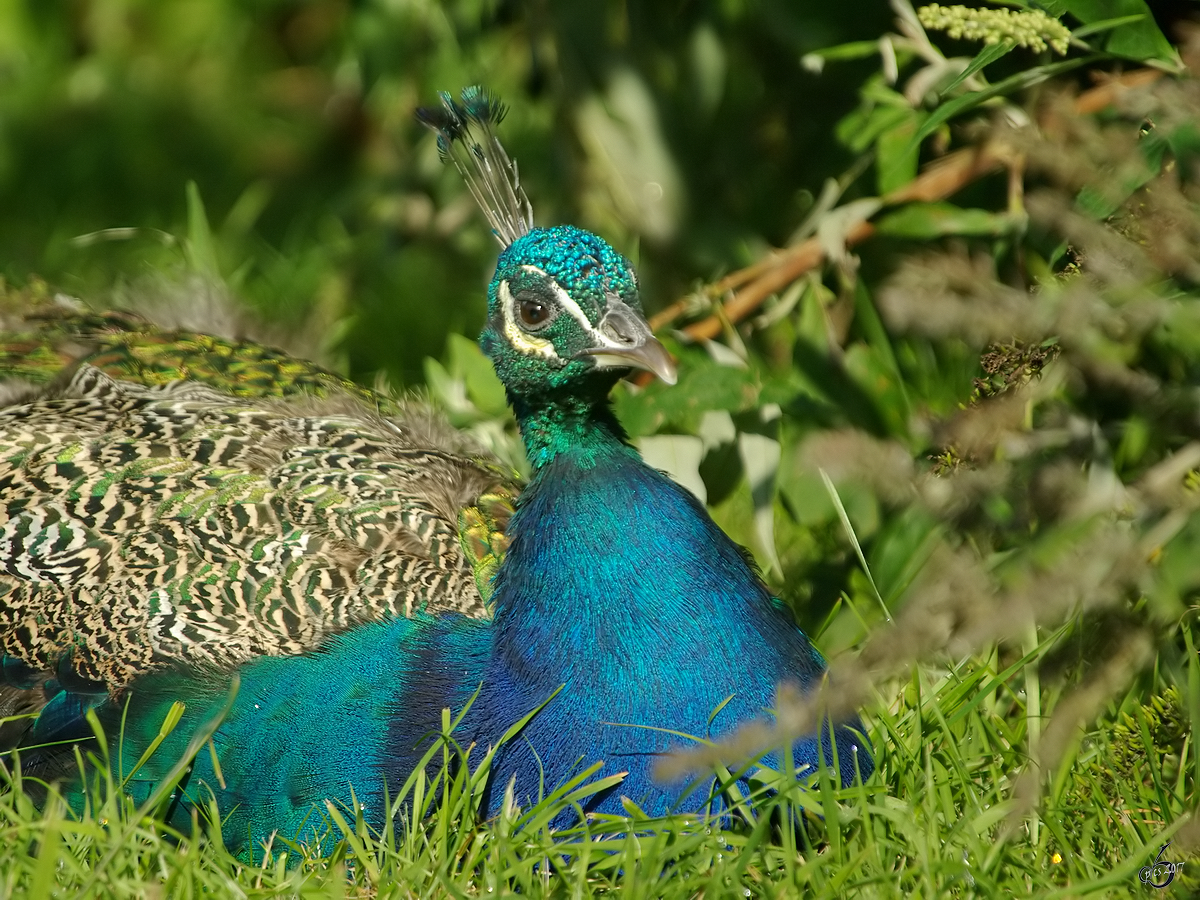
621	597
609	557
583	426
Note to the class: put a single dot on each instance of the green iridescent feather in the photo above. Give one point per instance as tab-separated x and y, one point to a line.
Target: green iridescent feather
42	338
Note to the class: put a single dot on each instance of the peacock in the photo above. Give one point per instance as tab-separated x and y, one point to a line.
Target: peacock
322	571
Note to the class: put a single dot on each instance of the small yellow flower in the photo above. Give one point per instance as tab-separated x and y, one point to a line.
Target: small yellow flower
1033	28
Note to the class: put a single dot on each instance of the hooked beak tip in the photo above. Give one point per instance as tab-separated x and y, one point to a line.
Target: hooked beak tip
649	355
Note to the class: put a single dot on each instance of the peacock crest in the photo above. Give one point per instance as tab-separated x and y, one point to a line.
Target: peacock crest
466	136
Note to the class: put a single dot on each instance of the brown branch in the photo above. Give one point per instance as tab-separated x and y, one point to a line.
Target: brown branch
1106	94
940	179
730	282
784	269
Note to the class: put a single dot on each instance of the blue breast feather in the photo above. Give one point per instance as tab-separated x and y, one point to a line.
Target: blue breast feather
626	594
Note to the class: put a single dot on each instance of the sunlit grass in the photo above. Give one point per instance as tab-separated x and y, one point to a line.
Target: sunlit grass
938	818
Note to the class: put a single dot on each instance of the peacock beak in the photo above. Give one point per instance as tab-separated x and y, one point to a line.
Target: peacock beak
623	340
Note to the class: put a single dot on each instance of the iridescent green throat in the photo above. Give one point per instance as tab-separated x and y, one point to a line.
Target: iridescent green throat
582	425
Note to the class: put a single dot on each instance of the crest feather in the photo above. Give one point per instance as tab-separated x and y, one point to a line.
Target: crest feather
467	137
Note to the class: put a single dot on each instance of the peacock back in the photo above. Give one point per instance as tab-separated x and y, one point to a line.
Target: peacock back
171	496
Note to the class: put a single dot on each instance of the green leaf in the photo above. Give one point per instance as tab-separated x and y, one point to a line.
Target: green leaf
862	127
805	492
42	882
985	57
760	456
1010	85
901	549
851	50
679	456
483	387
897	155
880	342
1103	198
704	387
1139	39
1105	25
638	410
869	369
447	390
201	250
924	221
172	719
849	529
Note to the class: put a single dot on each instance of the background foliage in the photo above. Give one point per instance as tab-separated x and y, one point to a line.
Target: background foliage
687	134
963	450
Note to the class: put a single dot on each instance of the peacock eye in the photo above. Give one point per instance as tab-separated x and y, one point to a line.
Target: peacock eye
535	313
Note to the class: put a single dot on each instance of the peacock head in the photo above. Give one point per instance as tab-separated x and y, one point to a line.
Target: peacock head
564	311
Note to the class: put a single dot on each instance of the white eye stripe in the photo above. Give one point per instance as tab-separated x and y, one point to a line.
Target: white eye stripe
567	304
529	344
564	300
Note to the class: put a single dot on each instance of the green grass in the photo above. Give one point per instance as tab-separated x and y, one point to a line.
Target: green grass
940	817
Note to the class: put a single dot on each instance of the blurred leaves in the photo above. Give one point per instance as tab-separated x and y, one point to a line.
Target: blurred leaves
926	221
295	122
